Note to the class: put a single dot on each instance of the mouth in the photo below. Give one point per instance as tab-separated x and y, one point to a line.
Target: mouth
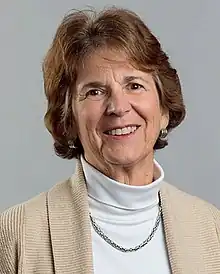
120	131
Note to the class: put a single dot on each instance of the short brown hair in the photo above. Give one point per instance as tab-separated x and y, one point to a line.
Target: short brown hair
82	32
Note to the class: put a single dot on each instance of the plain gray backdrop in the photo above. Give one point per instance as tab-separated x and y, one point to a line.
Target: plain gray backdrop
189	33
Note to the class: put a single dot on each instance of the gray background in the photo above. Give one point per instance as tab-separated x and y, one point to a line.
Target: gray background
189	32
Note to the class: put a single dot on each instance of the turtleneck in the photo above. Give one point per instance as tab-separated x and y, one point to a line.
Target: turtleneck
112	200
127	214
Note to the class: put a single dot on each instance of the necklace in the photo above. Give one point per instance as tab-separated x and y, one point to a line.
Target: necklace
100	232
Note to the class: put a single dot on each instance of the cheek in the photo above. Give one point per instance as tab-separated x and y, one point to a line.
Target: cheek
88	118
153	125
149	109
86	125
87	135
153	122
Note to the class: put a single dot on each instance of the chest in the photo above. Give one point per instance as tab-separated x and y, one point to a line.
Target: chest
108	260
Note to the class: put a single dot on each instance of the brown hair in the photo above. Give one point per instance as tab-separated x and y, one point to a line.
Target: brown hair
79	34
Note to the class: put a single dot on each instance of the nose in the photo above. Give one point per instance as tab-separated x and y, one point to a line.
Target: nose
118	104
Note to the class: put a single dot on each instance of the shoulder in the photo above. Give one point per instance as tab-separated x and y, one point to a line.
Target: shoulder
191	204
37	204
13	222
12	218
8	229
11	225
177	193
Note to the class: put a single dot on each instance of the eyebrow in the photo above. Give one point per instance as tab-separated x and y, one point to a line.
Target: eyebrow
94	84
98	84
128	79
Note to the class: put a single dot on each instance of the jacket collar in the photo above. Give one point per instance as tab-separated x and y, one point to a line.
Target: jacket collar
68	208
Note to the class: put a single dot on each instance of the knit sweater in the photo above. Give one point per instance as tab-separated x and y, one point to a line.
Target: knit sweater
51	233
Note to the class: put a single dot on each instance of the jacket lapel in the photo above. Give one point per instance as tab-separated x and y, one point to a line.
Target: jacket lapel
185	231
69	226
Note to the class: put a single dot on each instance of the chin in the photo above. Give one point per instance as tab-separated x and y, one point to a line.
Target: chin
123	160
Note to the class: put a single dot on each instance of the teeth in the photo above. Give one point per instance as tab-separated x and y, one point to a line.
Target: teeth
122	131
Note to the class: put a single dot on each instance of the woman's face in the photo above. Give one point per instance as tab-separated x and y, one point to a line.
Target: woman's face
117	110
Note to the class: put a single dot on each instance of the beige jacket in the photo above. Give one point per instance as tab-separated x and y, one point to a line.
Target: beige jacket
51	233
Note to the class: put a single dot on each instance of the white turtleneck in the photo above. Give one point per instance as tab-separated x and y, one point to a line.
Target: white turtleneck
127	215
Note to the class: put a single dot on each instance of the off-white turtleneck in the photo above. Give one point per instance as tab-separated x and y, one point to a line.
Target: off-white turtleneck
127	215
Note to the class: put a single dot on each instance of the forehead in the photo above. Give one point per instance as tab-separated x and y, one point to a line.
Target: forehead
104	63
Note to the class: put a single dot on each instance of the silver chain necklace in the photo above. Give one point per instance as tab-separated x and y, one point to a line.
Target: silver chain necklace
100	232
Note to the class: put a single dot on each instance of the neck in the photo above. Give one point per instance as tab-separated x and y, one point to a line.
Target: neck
138	174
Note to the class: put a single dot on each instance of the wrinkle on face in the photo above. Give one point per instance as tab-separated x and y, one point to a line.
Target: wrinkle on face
129	161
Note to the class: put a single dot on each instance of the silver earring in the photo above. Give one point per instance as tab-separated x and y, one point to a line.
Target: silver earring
71	144
163	134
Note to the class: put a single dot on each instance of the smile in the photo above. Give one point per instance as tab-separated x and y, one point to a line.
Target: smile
122	131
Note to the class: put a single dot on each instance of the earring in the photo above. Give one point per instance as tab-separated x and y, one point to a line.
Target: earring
71	144
163	134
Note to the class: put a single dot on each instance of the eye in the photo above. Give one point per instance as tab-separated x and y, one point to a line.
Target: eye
135	86
95	94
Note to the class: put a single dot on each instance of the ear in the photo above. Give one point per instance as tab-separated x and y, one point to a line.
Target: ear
164	119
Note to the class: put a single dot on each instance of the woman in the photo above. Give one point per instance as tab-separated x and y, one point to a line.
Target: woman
112	99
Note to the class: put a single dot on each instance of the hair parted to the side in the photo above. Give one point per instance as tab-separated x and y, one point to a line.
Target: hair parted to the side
79	34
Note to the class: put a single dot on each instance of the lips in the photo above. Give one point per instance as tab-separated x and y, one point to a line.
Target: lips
122	130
